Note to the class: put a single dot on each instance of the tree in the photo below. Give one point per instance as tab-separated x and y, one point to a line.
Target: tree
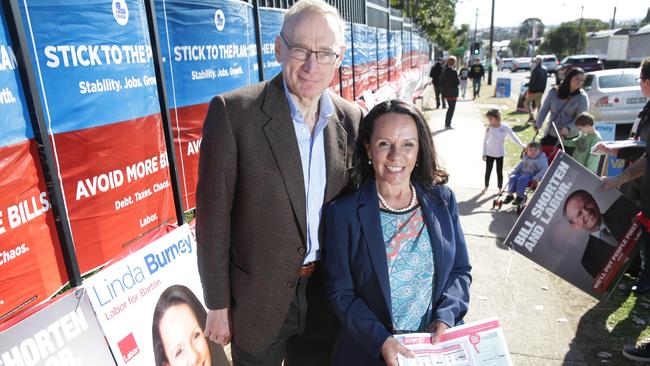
526	28
519	47
564	40
591	25
434	17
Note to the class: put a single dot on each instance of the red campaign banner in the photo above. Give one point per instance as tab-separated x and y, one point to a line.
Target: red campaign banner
348	87
125	181
383	72
31	265
335	85
187	142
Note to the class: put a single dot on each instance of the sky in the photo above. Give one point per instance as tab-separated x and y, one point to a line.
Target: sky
510	13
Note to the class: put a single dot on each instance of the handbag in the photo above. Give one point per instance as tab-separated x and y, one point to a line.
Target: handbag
548	139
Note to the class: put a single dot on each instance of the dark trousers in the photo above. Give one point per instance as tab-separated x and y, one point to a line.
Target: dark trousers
476	86
308	334
450	111
489	162
436	89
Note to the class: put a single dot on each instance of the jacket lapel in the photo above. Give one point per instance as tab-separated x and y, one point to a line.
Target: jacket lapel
431	208
281	137
335	154
368	212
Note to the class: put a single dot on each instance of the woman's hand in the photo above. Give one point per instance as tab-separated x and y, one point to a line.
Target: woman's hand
391	348
438	328
484	158
603	149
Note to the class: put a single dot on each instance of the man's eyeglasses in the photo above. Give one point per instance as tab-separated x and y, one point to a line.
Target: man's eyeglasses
303	54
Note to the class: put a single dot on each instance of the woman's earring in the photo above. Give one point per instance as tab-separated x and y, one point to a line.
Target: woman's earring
369	161
416	163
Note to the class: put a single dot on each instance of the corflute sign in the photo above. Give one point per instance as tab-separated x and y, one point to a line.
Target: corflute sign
96	79
31	267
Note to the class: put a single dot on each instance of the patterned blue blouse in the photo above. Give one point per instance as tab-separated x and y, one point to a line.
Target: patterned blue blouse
410	269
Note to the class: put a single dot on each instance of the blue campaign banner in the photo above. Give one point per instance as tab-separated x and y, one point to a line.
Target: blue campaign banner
394	54
271	23
14	116
208	48
347	65
371	43
94	59
382	55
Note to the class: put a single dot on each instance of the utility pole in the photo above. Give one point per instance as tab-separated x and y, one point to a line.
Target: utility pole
613	19
491	46
582	9
475	24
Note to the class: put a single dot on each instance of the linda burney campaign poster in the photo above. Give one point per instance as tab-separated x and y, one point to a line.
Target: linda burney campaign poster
150	305
570	227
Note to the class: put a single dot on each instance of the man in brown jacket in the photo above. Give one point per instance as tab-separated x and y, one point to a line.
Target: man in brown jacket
272	155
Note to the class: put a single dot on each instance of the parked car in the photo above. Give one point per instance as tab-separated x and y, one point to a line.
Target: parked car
550	62
586	62
506	63
521	63
614	95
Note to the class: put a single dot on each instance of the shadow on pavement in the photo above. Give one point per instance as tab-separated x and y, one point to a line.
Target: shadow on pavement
470	206
593	331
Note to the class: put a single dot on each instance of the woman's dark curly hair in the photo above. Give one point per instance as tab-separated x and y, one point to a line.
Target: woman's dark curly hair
427	170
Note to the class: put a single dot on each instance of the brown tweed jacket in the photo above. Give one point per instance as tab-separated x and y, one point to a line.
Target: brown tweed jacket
250	213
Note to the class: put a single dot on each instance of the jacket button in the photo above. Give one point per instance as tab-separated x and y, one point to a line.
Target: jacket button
301	250
291	284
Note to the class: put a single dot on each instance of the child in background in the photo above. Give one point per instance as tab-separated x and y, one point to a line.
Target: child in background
464	75
587	138
493	146
530	169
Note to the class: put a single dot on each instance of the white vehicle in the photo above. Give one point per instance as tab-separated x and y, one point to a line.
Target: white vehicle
614	95
550	62
506	63
521	63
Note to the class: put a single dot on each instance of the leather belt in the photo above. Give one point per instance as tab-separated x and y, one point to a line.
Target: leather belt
308	269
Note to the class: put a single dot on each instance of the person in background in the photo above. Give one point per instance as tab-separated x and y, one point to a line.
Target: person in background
639	171
587	138
449	86
396	258
464	75
435	73
536	87
531	168
494	146
564	102
272	154
476	72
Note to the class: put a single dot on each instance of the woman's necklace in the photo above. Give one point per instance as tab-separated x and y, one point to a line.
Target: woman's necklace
414	201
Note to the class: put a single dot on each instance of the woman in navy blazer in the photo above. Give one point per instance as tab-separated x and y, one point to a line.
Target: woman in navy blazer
396	167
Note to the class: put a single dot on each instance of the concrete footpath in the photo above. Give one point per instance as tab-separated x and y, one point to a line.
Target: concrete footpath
539	313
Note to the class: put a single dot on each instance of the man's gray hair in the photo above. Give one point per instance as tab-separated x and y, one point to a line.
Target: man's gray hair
538	60
319	7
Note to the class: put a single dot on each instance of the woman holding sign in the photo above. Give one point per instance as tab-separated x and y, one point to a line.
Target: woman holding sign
395	257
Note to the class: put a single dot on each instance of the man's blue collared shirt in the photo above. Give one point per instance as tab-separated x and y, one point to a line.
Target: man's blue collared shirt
312	155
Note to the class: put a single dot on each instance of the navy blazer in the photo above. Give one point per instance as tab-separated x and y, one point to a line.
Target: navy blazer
356	270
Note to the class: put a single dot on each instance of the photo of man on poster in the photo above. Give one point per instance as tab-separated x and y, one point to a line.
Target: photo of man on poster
606	229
